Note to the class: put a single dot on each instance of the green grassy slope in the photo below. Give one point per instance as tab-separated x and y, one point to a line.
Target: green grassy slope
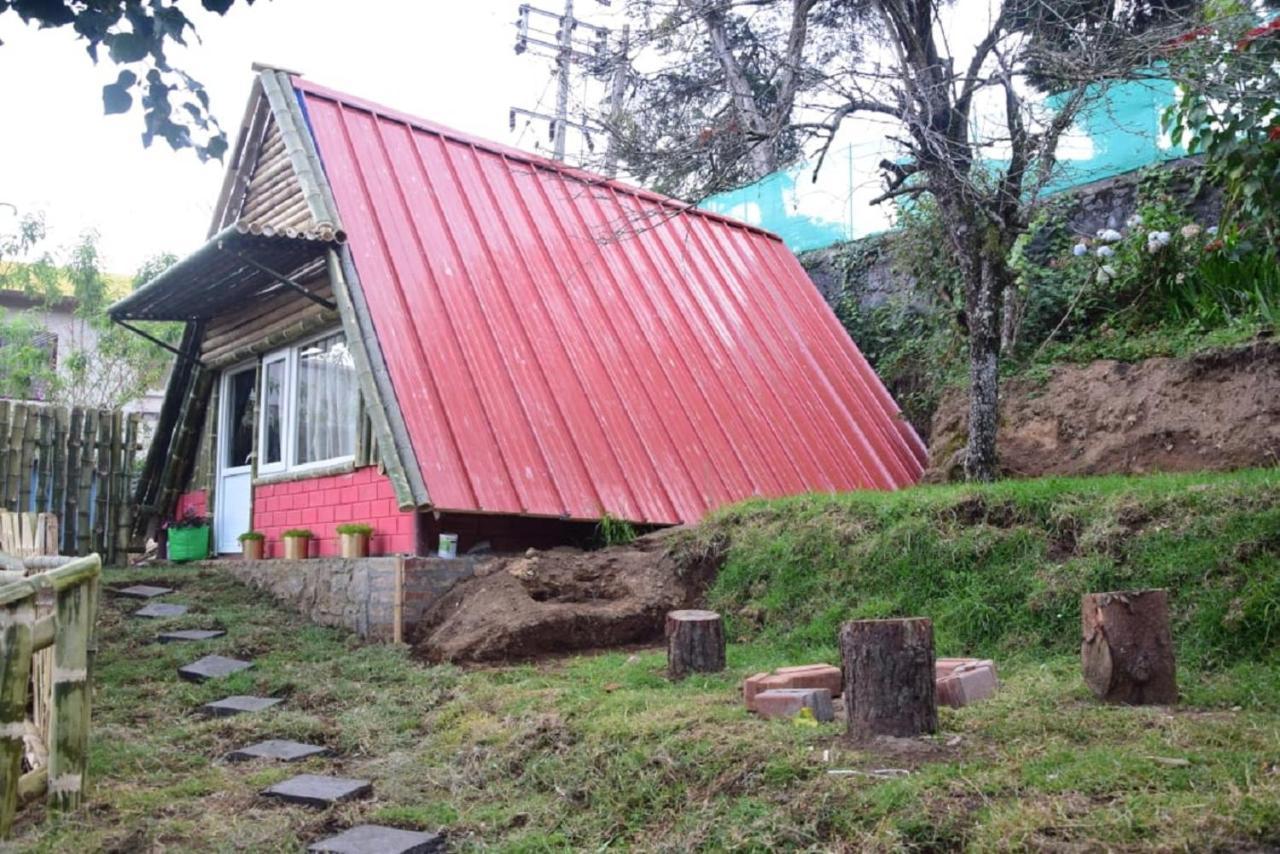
590	752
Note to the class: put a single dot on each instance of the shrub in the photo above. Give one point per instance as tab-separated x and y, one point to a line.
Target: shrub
248	536
355	528
297	532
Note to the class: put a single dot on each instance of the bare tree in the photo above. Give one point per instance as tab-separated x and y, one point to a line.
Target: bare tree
970	123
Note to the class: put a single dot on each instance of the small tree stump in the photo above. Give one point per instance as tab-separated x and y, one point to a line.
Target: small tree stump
1127	651
695	643
889	677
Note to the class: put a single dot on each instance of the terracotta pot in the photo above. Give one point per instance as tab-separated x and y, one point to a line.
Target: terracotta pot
252	549
297	548
354	545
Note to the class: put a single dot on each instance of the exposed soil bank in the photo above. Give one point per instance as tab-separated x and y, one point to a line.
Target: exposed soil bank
564	600
1214	411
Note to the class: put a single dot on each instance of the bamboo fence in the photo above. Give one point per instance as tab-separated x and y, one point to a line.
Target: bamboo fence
68	629
75	463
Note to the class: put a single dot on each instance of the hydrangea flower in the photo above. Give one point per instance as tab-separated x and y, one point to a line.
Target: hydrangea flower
1109	235
1079	249
1106	273
1190	231
1105	252
1134	220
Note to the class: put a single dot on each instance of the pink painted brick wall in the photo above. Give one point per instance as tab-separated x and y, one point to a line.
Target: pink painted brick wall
321	503
196	502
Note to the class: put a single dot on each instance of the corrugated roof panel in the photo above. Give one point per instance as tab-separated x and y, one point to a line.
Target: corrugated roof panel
562	345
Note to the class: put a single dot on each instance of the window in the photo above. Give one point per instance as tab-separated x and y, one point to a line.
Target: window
307	414
239	444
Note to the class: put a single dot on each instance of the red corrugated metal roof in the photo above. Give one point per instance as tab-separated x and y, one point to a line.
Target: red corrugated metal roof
564	345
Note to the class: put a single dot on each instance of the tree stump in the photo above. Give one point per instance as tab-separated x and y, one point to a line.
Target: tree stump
889	677
695	643
1127	651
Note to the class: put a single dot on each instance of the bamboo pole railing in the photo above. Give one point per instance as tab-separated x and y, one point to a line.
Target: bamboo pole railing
69	630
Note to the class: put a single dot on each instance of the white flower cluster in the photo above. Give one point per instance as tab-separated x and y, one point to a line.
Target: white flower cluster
1157	240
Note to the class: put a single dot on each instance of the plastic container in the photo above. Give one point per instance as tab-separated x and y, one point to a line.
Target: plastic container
188	544
448	546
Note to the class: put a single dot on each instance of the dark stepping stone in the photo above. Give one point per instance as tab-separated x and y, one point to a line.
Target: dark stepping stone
316	791
239	704
161	610
281	749
144	591
189	635
212	667
376	839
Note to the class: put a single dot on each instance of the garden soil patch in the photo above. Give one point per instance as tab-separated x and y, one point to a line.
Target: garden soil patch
562	600
1216	411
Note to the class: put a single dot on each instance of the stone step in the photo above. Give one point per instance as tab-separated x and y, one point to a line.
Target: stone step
314	790
189	635
282	750
238	704
212	667
161	611
376	839
143	591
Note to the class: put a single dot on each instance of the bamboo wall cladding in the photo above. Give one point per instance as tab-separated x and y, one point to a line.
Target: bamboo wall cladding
75	463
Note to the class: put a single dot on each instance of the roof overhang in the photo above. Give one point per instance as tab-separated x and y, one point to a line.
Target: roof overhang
237	264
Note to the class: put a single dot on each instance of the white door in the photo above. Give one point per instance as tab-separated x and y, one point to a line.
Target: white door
233	494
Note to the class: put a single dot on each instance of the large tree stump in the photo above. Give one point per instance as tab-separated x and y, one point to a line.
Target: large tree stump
889	677
695	643
1127	651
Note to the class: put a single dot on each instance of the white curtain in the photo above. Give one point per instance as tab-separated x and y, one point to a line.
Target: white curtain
326	401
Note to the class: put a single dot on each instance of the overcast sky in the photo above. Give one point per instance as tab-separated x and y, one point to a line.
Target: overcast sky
446	61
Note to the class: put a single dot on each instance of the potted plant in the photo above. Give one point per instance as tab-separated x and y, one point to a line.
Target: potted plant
188	538
251	544
354	539
297	544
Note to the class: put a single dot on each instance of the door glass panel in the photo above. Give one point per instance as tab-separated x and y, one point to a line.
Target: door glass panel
326	401
239	444
273	412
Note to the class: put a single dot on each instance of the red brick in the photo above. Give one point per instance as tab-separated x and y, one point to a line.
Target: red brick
787	703
967	684
946	666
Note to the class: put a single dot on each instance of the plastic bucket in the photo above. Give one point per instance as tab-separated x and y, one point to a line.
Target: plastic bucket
448	546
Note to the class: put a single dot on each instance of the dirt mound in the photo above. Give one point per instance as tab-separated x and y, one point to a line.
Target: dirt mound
1215	411
563	600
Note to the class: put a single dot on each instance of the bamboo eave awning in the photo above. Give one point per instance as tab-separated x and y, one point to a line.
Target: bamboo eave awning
236	265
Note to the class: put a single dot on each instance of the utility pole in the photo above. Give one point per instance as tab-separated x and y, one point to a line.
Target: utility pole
565	52
564	62
616	93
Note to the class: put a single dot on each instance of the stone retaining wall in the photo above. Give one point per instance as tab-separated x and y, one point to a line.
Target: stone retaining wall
369	596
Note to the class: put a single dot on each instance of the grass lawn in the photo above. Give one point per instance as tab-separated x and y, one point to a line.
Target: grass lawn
601	751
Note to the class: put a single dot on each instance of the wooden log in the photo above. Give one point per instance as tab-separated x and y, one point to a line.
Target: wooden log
888	677
695	643
1127	649
15	674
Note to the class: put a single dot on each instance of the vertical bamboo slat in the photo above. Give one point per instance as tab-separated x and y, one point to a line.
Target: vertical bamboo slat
15	673
71	503
84	484
6	417
102	532
13	478
60	426
30	435
69	739
44	468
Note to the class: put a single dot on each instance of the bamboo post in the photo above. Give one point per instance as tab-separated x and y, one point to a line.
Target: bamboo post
102	531
44	458
71	502
60	437
69	738
6	417
13	476
15	673
84	486
30	436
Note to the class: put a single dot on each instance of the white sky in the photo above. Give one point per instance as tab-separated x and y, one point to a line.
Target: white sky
451	62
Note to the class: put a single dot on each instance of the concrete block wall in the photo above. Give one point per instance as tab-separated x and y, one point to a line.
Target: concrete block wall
321	503
196	502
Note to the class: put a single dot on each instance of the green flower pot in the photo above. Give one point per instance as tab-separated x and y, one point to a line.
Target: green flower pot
188	544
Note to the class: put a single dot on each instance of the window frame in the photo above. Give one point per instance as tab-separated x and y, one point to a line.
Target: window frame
289	409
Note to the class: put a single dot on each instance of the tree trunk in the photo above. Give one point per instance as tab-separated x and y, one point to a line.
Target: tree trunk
1127	652
889	677
695	643
984	355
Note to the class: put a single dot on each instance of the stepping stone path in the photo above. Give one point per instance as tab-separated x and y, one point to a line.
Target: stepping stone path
212	667
143	591
315	791
281	749
238	704
375	839
189	635
160	610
